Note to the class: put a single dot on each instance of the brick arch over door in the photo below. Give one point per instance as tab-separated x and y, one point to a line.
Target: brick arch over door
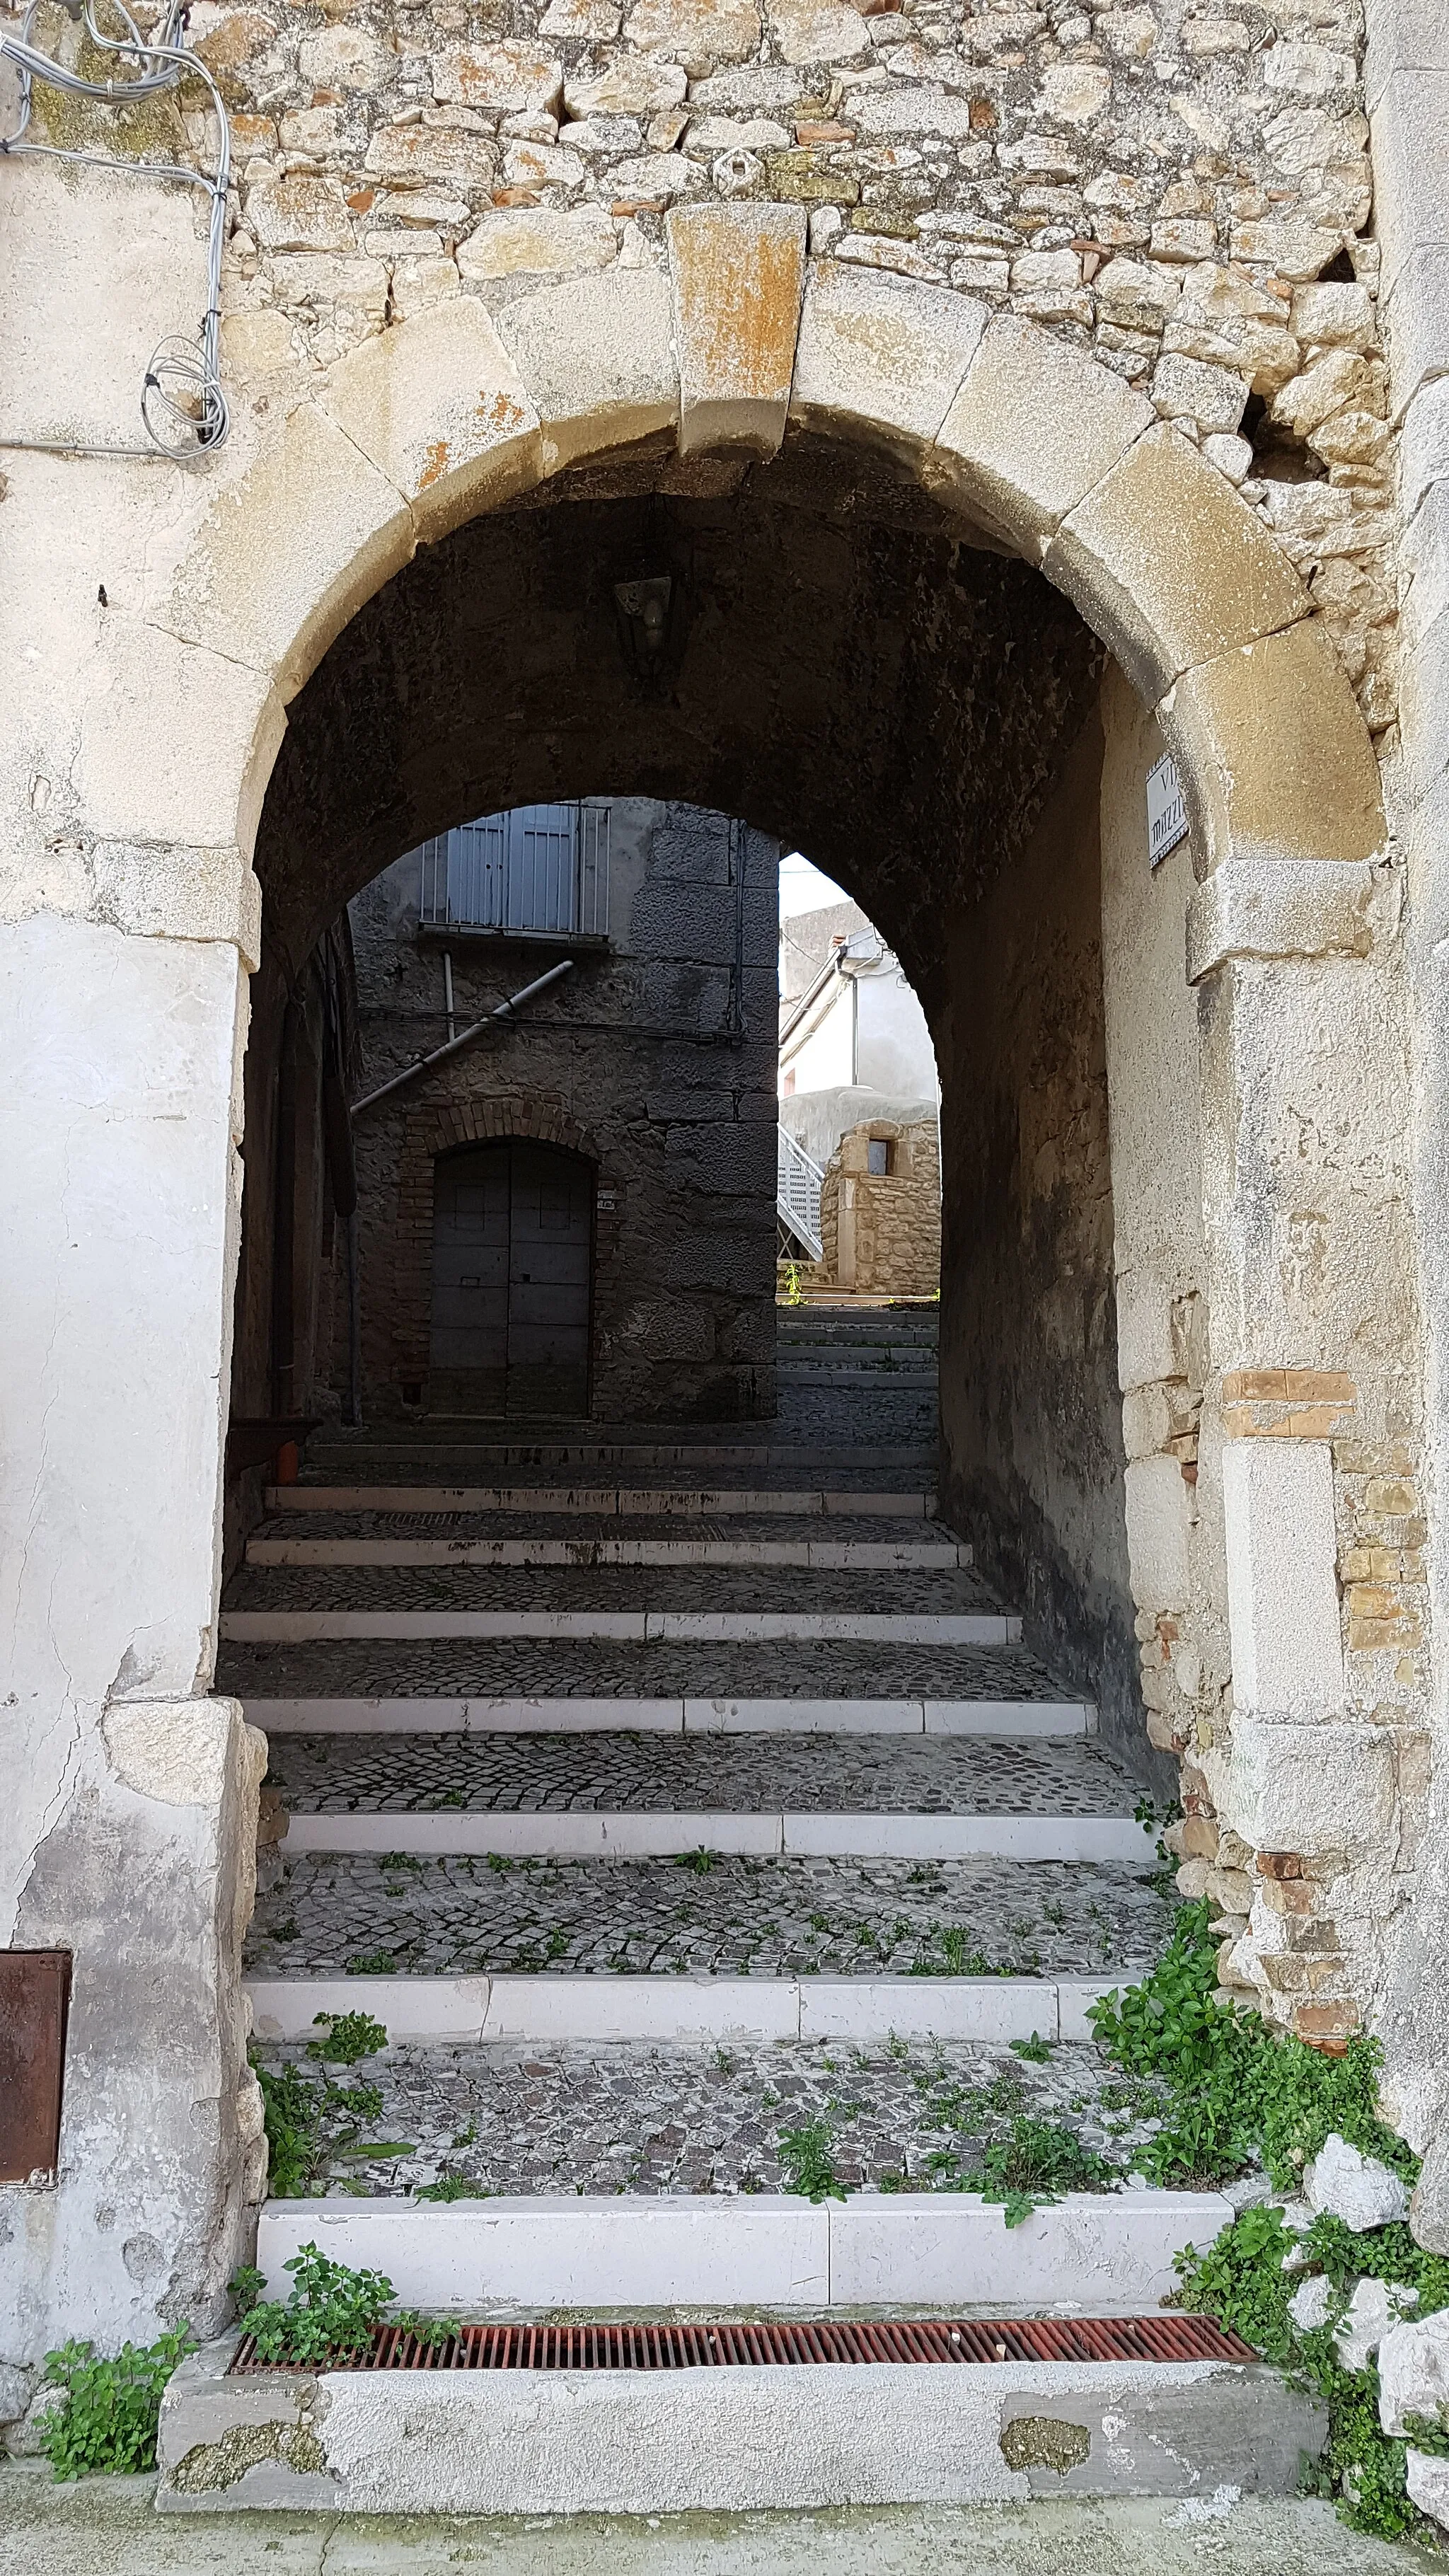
435	1128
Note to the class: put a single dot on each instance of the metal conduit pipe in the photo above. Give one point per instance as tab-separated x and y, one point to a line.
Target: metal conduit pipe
439	1055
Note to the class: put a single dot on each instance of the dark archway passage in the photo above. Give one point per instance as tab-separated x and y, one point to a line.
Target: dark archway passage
844	669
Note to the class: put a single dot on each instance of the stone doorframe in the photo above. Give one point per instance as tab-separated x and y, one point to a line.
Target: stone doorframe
131	790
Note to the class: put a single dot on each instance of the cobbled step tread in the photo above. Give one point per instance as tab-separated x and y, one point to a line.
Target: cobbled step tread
734	1590
735	1917
664	1668
743	1775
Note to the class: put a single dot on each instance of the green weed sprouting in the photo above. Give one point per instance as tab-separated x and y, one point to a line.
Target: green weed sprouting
310	2120
107	2426
807	2154
331	2313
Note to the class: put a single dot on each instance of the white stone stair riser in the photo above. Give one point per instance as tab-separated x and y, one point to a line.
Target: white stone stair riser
591	1834
830	1555
1000	1718
673	2250
684	2009
705	1627
636	1502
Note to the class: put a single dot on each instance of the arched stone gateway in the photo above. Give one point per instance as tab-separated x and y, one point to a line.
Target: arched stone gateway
1264	1272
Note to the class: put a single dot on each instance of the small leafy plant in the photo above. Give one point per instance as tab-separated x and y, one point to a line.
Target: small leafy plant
807	2154
372	1963
311	2120
1034	2164
107	2425
330	2313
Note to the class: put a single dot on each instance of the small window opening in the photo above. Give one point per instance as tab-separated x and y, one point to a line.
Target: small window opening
880	1156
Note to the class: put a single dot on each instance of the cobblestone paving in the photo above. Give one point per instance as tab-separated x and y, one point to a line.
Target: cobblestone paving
608	1587
646	2120
781	1529
531	1667
735	1775
724	1916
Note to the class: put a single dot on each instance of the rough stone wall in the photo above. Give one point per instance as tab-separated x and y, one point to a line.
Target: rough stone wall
892	1220
1032	1422
1164	186
632	1060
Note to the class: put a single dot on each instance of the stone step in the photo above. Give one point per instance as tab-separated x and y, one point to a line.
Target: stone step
704	1627
1093	2250
867	1554
597	1833
624	1502
827	1373
1016	1719
799	1682
633	1590
704	1917
928	1780
651	2442
347	1459
683	2011
521	2117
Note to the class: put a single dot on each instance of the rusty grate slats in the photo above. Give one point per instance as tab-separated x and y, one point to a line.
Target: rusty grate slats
733	2343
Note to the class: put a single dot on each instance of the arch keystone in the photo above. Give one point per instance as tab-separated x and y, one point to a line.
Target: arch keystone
1167	563
1275	756
1033	428
880	353
738	274
596	358
438	406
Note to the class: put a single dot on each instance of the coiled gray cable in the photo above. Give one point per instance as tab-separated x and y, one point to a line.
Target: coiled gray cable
183	407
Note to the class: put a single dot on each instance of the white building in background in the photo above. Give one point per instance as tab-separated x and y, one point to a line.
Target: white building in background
854	1044
859	1109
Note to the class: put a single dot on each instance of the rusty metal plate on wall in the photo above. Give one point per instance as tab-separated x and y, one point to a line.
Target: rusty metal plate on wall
34	2000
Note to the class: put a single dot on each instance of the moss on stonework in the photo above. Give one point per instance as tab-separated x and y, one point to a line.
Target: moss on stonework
213	2465
143	129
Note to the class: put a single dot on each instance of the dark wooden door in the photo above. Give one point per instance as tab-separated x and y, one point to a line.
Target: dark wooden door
512	1281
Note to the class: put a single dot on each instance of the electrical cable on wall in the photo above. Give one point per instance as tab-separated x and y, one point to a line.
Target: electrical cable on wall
183	407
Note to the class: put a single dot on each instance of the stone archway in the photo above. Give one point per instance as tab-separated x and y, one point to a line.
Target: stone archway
1047	454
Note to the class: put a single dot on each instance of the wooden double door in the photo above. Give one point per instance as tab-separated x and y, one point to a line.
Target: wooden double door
513	1248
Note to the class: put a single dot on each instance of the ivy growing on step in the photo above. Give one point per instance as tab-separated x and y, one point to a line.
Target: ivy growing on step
1231	2091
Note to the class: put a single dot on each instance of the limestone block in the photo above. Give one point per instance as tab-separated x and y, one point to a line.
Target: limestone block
538	241
344	58
154	892
1256	907
1310	2303
1170	566
439	407
1275	757
1033	428
738	272
817	31
1281	1550
1359	2189
597	358
299	213
1428	2483
189	695
881	353
1308	1788
174	1750
1414	321
404	154
1374	2307
1159	1522
506	79
286	555
1411	163
639	87
1414	2371
727	30
1184	389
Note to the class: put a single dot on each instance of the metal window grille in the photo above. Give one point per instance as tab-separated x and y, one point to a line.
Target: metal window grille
540	869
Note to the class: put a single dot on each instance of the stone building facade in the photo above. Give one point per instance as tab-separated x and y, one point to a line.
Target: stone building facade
880	1212
650	1064
989	401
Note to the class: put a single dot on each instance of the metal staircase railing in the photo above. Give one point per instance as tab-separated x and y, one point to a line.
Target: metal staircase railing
797	1194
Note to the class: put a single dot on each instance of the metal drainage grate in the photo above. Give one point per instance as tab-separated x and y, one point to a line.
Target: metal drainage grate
730	2345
